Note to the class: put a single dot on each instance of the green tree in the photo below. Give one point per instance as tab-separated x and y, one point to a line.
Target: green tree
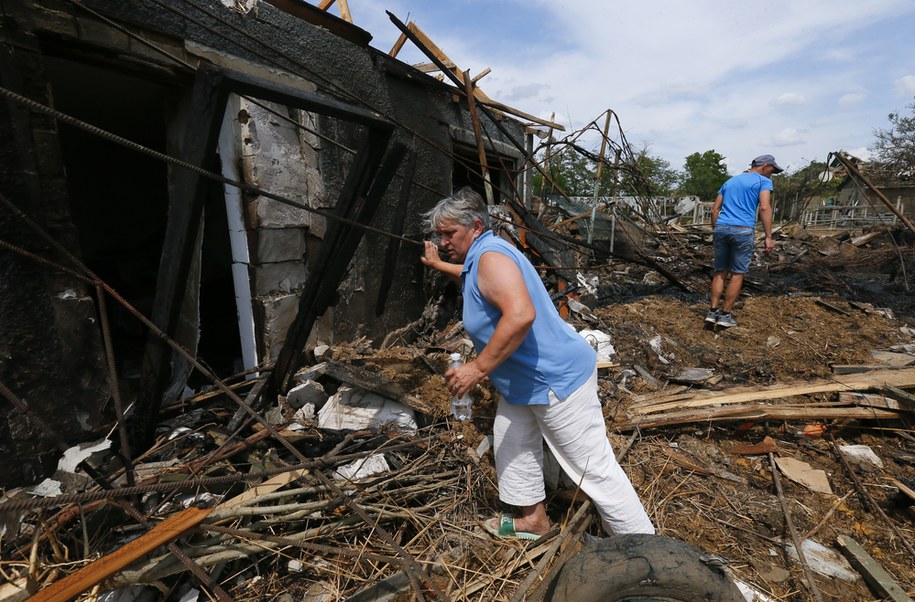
703	175
571	172
640	175
645	175
894	148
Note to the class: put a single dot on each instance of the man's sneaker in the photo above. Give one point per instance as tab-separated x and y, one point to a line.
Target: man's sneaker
725	320
712	316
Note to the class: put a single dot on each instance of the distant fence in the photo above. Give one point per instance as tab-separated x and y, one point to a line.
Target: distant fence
688	209
848	216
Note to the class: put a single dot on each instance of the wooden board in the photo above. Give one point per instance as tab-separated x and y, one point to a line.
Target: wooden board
95	572
849	382
871	570
758	412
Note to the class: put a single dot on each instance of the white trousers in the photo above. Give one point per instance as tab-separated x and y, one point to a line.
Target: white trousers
574	429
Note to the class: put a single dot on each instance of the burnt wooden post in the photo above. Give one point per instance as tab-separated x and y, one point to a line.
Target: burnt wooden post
186	202
400	215
358	202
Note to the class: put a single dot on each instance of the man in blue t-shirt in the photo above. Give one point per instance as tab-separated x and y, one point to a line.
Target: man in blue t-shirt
733	222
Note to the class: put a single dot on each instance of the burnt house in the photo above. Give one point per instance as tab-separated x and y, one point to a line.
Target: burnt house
239	179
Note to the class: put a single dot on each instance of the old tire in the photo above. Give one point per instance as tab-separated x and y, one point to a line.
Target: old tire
641	567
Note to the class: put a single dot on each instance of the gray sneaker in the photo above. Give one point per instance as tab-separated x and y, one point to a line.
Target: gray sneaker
726	320
712	316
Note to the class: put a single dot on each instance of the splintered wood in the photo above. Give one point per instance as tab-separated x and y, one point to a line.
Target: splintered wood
745	403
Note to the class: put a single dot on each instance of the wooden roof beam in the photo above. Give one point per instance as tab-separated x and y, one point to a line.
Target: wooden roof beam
395	49
430	49
343	5
432	67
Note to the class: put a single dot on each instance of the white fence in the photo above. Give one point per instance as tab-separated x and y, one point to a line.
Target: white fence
848	216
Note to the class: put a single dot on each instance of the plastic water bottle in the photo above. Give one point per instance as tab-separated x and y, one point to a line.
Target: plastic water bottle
460	406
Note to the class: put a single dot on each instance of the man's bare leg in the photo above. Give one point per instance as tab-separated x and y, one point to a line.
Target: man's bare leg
733	291
717	289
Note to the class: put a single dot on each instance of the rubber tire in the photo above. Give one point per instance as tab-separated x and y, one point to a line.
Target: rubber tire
641	567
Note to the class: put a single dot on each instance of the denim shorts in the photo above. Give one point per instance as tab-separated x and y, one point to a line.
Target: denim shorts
733	248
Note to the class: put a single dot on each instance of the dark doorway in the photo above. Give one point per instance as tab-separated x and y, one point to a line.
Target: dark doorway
119	204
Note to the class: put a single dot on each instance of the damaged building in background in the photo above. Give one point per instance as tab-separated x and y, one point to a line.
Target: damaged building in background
212	170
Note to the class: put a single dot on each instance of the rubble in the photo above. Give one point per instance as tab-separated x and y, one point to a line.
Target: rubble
356	482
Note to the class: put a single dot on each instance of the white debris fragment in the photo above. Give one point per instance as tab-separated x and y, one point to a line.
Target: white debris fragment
323	353
601	343
655	345
75	455
295	566
589	284
581	309
240	6
484	446
356	409
47	488
750	593
67	294
183	430
862	455
309	391
362	468
304	414
824	561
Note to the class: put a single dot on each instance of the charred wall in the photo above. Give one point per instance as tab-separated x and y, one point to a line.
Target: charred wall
50	349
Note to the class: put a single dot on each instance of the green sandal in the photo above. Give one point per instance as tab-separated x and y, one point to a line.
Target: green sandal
504	526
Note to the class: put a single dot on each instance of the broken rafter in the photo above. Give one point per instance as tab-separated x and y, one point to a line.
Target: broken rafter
397	222
478	134
186	201
342	4
437	56
398	45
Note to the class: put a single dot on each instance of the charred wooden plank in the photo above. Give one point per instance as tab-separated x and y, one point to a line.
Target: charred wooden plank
397	221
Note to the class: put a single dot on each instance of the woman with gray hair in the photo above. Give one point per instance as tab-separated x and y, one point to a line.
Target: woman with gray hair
545	373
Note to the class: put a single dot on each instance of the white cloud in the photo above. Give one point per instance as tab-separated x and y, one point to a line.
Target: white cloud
788	137
790	99
852	99
906	85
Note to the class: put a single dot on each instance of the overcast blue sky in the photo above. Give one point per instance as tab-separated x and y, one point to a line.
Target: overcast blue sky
795	79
